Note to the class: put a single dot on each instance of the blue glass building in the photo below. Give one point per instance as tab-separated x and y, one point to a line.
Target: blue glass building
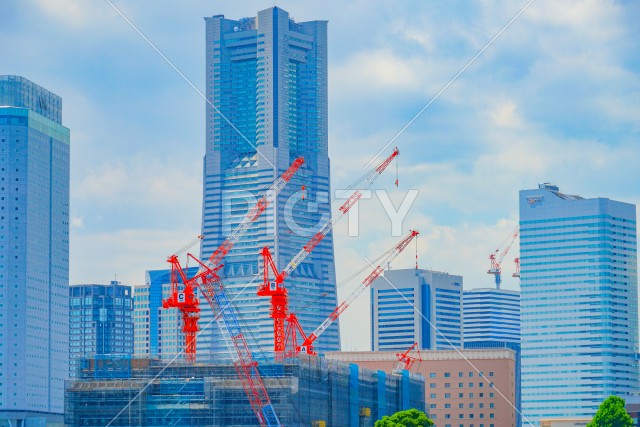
579	289
100	322
267	76
34	252
491	315
413	305
492	320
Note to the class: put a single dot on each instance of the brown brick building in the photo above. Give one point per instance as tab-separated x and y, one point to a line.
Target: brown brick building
465	388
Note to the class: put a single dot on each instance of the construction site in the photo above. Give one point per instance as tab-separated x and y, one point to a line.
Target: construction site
293	386
304	391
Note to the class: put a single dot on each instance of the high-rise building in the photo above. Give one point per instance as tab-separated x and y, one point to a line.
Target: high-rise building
491	315
579	290
267	83
158	331
100	322
492	321
34	252
414	305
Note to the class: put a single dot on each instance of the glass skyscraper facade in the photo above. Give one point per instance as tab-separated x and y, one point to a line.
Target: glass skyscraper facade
414	305
579	289
491	315
491	321
34	251
267	86
100	322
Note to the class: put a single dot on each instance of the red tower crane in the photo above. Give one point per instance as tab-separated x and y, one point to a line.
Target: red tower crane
186	301
212	288
406	360
275	289
517	262
293	325
496	261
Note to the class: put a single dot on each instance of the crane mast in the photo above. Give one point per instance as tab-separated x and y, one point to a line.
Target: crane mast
496	261
517	272
275	289
187	301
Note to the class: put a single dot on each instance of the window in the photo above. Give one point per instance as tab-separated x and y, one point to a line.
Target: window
432	375
447	374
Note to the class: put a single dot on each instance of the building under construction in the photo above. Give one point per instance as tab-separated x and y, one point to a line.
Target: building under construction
305	391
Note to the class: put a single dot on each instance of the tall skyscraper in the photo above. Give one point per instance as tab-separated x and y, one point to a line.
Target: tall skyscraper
267	79
413	305
579	290
491	315
100	322
34	251
158	331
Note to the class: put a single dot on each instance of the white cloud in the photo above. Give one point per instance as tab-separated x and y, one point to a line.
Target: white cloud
77	221
127	253
140	182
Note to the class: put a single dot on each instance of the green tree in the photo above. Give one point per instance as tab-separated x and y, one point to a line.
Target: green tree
612	413
408	418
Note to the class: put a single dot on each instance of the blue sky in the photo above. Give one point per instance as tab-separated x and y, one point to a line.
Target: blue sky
555	98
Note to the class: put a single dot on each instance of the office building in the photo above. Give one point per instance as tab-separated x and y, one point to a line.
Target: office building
157	331
306	391
414	305
579	289
492	321
491	315
267	78
34	252
463	388
100	322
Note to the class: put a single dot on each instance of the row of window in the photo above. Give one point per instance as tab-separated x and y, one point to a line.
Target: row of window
460	374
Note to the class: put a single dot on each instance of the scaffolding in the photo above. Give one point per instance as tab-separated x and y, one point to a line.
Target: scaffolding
305	391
